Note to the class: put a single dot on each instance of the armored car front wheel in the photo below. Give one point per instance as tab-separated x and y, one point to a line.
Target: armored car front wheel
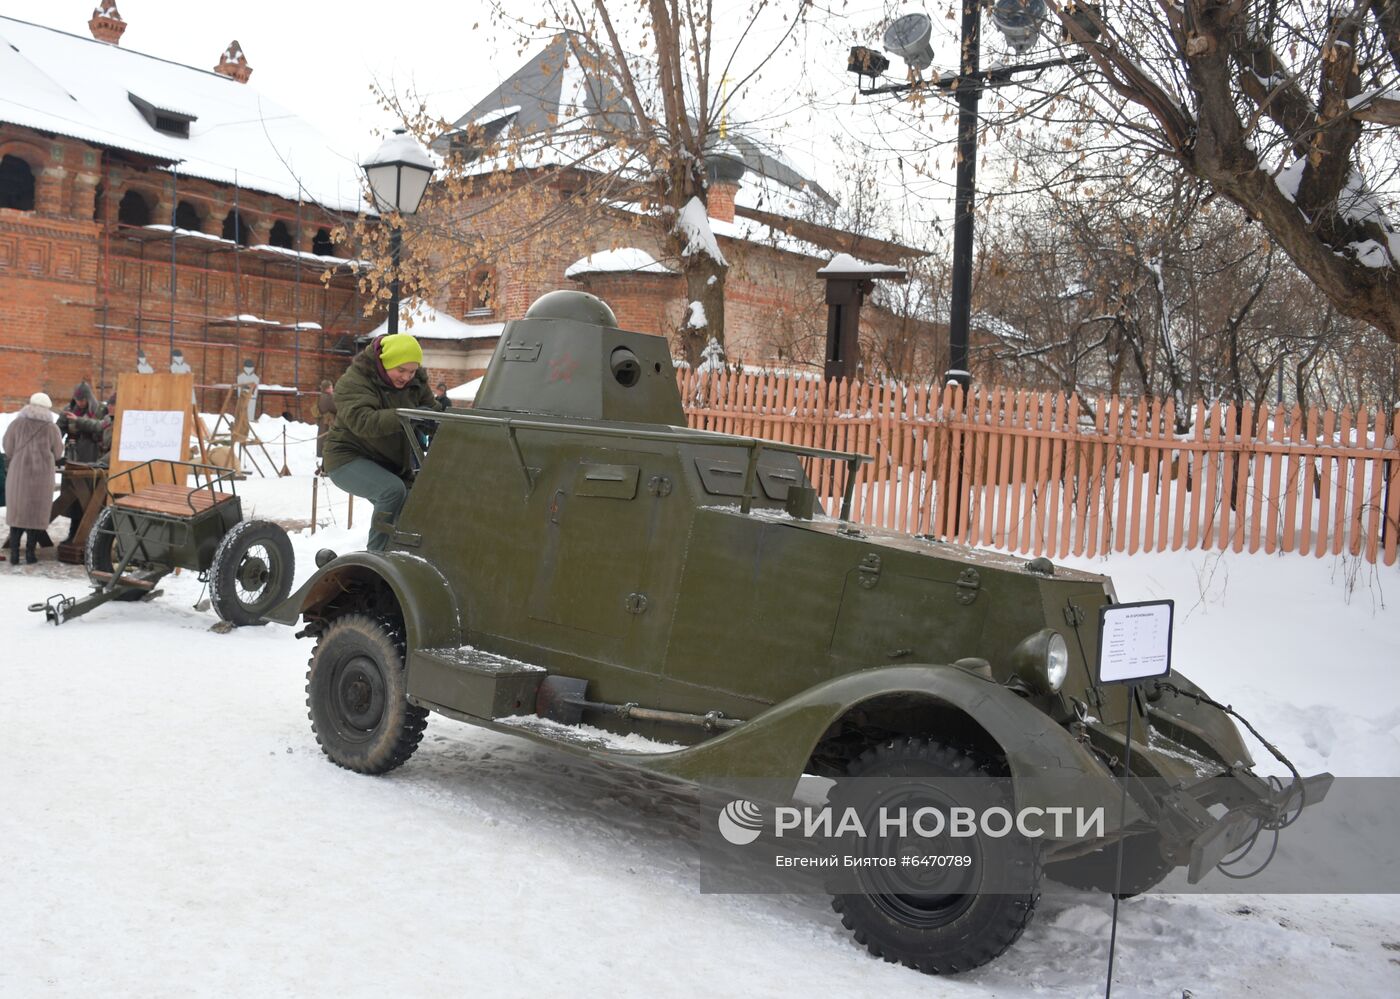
920	886
356	690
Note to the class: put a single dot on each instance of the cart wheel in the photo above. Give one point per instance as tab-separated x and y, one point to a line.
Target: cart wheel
251	572
100	551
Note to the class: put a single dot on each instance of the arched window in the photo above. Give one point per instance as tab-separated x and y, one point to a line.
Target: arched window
16	184
237	229
98	194
187	217
321	244
134	209
280	235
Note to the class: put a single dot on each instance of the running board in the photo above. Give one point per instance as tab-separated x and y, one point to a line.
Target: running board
476	683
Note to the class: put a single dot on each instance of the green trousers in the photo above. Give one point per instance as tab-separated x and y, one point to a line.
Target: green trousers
377	484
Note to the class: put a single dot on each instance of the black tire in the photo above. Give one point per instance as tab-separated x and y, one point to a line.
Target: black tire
100	551
251	572
1144	867
934	921
356	690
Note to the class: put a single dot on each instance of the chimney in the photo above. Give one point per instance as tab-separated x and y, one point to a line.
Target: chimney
107	24
720	203
234	64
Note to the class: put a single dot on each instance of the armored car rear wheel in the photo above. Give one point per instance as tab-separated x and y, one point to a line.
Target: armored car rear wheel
356	690
938	918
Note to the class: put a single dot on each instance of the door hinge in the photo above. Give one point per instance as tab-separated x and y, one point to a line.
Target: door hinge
968	584
868	572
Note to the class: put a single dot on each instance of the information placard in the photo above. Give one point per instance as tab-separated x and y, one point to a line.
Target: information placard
1135	641
148	434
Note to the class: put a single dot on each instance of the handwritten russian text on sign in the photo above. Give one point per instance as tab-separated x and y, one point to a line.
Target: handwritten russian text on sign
1135	641
148	434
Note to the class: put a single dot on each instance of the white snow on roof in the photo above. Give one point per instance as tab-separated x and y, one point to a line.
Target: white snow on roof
401	148
627	259
77	87
744	230
428	323
465	392
493	116
844	263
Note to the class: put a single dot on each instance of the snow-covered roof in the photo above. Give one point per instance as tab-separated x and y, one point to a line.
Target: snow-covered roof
465	392
430	324
844	263
627	259
82	88
566	88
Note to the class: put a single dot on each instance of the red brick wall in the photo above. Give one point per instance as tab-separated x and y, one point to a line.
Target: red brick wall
77	296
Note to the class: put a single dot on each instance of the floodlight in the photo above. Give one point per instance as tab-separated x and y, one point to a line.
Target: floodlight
1019	21
908	38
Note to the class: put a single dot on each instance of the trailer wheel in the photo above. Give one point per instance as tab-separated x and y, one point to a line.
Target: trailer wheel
100	550
1143	867
935	918
356	690
251	572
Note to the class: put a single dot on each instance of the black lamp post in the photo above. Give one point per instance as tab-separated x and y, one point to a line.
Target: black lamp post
908	37
398	175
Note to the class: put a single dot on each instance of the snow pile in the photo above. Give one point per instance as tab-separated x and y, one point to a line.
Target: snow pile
693	225
628	259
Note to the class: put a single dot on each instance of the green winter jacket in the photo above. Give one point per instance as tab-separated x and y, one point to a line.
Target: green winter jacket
365	422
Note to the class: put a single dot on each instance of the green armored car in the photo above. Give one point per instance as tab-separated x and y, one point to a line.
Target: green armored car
573	562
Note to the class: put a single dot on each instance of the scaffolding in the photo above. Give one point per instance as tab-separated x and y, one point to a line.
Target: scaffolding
199	331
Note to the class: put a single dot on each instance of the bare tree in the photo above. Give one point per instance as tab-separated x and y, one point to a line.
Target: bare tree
1285	107
636	141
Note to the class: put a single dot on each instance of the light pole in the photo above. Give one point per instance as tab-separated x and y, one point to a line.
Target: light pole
398	175
908	38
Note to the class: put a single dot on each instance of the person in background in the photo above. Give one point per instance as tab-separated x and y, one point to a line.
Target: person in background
367	453
88	426
442	399
82	423
325	414
33	446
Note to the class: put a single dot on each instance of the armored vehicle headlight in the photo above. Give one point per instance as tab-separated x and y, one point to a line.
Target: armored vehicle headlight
1041	661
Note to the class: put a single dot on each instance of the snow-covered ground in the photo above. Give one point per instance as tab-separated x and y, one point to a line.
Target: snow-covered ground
169	826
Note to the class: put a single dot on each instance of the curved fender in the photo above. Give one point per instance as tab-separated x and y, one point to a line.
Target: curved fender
430	610
766	756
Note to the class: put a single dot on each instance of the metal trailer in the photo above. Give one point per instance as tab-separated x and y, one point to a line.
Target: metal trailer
155	524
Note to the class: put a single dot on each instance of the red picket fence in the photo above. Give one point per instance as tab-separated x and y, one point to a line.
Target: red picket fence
1035	473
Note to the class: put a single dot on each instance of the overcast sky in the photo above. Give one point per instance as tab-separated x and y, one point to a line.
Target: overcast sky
319	60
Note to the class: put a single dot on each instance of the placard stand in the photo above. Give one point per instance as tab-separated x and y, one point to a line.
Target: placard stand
1135	643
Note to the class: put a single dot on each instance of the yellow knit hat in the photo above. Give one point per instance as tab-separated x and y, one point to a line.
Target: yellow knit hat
399	348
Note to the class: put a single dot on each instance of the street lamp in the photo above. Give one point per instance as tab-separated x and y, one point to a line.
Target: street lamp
908	38
398	175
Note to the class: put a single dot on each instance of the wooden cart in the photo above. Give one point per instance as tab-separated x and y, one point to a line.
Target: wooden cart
156	523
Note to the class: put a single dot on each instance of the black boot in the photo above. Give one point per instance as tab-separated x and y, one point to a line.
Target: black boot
31	539
12	542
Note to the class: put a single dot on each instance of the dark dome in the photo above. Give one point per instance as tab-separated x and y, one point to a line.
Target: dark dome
578	306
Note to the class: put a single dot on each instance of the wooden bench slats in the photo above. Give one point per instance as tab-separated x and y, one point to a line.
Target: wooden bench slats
172	500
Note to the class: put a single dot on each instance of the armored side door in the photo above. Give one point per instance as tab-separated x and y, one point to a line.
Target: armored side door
608	560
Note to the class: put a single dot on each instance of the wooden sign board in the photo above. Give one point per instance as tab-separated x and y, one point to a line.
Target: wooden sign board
154	419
